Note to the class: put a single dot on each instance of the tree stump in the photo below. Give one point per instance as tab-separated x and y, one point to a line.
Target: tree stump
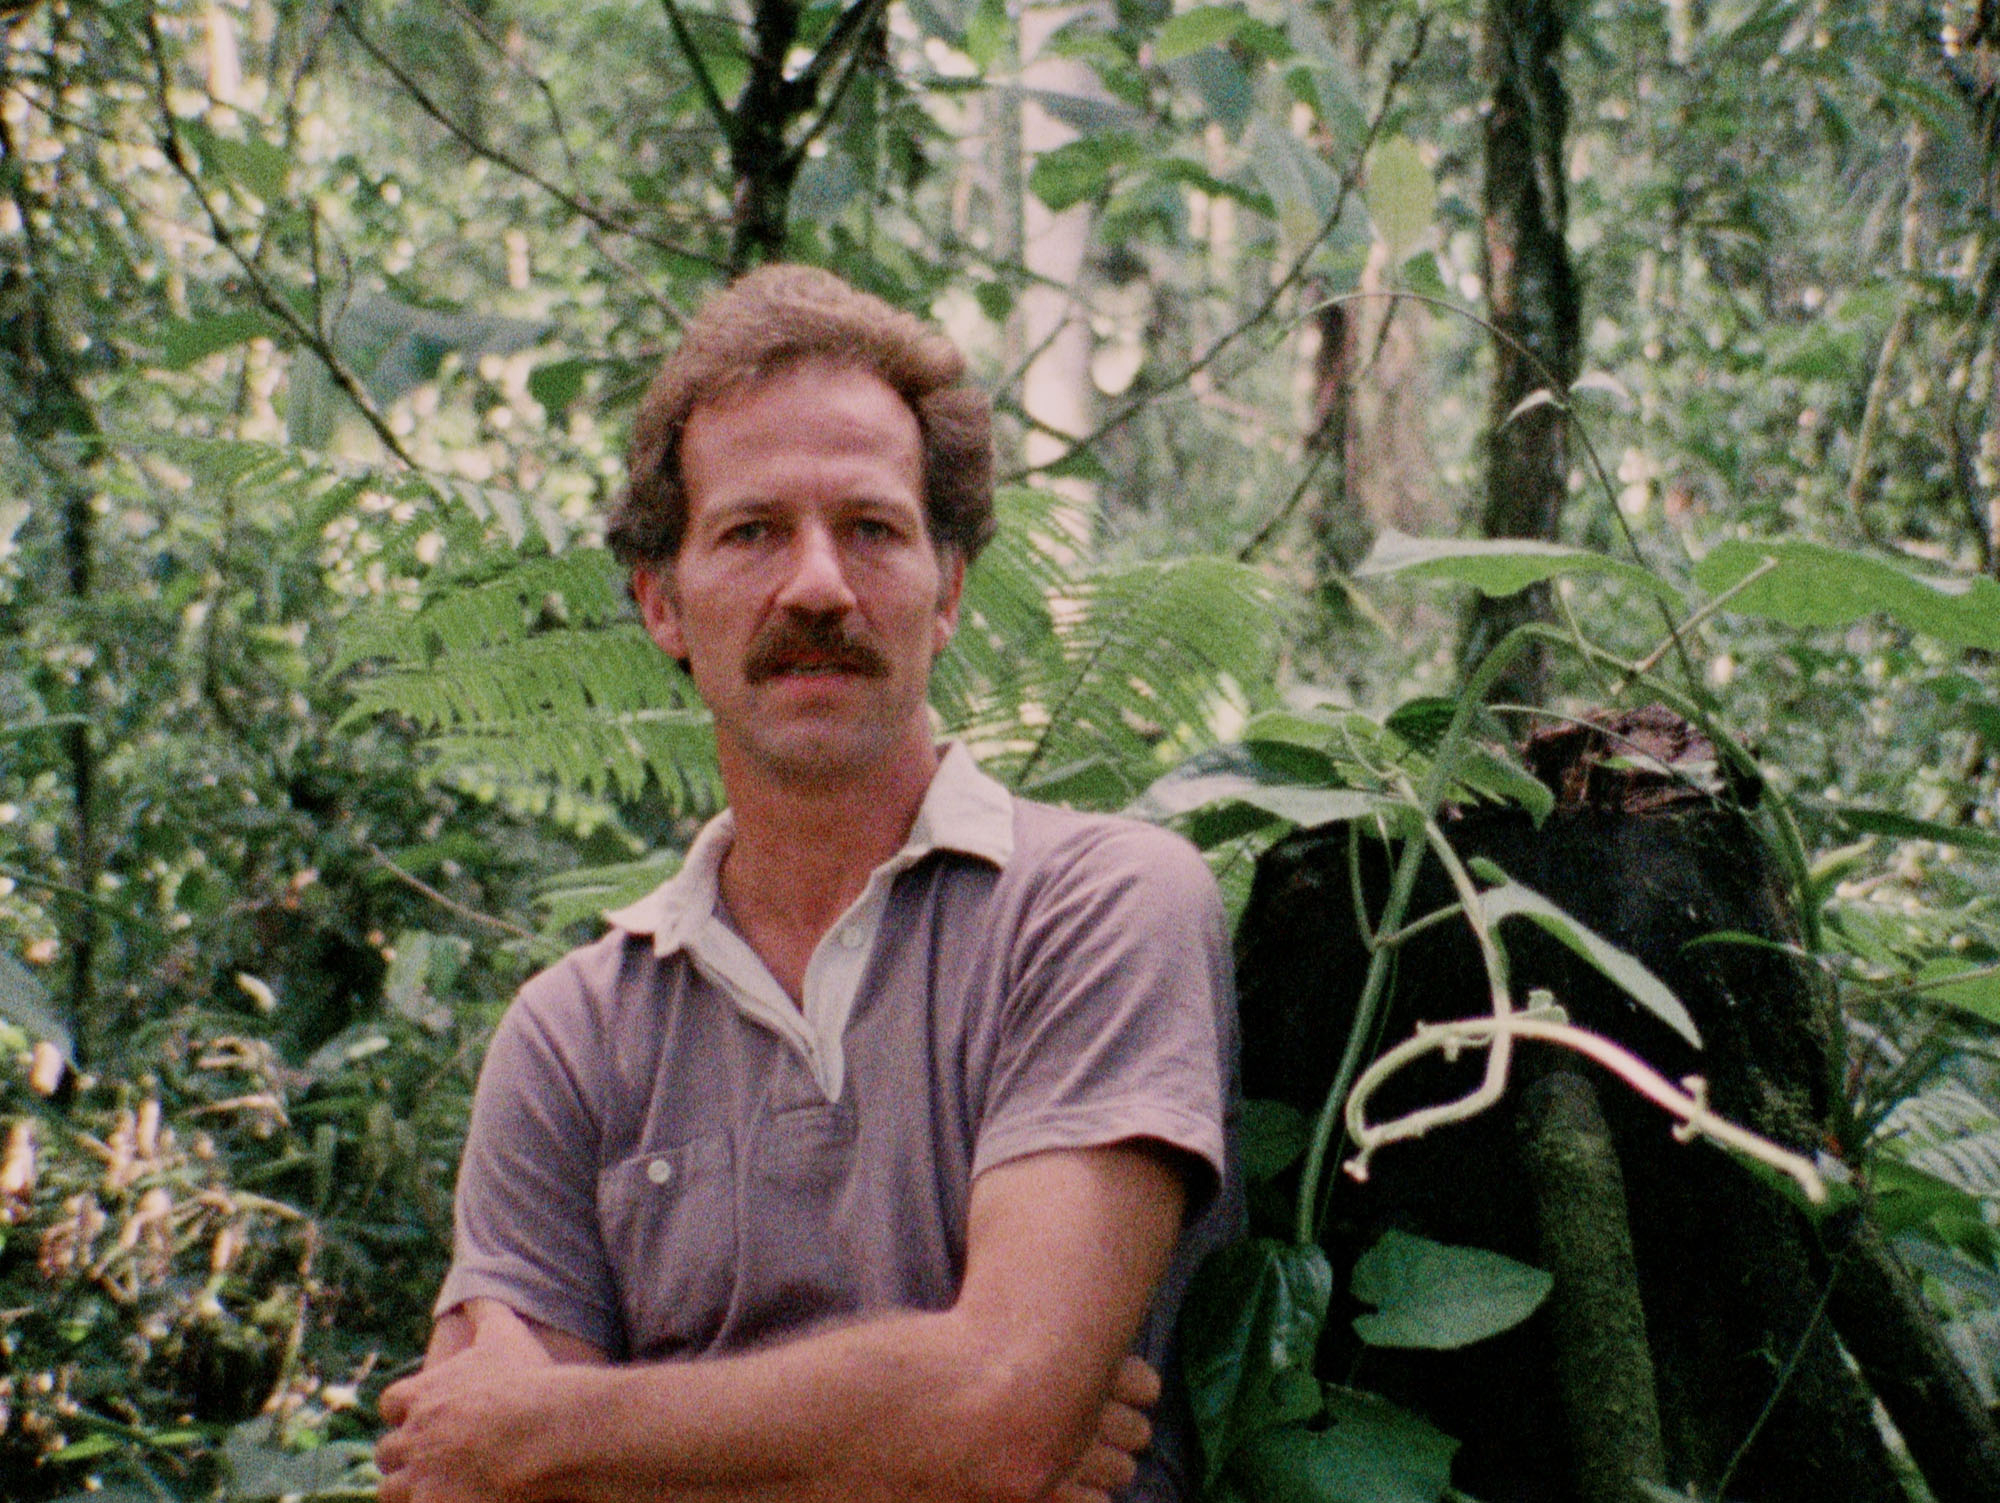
1706	1353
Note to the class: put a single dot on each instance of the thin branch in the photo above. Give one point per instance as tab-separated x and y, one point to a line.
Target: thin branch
571	201
313	338
684	39
448	903
1290	504
842	35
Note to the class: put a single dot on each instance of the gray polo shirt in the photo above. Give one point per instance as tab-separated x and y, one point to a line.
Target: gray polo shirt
669	1159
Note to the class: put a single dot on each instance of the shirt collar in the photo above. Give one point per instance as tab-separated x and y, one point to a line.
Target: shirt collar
963	810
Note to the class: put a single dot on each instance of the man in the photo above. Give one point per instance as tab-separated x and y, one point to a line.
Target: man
847	1165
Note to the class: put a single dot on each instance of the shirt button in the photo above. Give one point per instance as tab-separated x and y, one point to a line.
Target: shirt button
850	937
659	1171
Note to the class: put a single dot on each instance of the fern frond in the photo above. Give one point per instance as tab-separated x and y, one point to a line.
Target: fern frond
573	897
597	708
1950	1131
1146	657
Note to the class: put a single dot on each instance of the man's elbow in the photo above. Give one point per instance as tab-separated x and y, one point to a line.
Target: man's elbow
1026	1433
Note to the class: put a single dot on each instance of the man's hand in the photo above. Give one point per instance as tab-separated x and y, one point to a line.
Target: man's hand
1123	1431
457	1423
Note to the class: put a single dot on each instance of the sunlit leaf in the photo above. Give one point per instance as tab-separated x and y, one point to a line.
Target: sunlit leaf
1401	199
1812	584
1192	30
1079	170
1499	566
185	341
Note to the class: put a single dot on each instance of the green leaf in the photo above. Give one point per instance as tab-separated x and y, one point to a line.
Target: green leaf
558	384
988	33
1273	1136
1860	819
1081	169
1978	994
1249	1328
1423	721
1499	777
1510	899
1192	30
1370	1451
1269	777
185	341
1499	566
1433	1295
1088	783
250	162
25	1001
1401	198
1816	585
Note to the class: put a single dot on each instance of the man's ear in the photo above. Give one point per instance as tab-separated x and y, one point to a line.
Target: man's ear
653	588
951	590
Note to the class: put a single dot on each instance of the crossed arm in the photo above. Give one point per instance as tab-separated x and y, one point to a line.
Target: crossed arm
1020	1391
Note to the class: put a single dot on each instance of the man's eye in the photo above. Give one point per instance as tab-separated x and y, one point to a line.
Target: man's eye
874	530
747	532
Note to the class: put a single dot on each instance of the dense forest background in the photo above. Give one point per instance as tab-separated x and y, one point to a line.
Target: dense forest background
323	721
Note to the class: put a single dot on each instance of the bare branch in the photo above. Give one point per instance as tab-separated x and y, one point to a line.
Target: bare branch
314	338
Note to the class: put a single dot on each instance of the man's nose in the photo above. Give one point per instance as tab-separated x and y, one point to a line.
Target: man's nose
817	581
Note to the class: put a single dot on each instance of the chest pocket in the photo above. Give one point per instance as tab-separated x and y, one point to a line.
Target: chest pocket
668	1219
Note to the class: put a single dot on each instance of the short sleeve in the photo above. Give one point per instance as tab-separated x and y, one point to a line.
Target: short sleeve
525	1223
1116	1021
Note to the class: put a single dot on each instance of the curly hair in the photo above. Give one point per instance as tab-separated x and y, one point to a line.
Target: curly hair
768	321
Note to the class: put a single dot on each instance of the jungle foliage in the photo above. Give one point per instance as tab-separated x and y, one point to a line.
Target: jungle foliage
322	720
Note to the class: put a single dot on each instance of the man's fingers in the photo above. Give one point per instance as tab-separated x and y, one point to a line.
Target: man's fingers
394	1405
1107	1468
1124	1428
1135	1383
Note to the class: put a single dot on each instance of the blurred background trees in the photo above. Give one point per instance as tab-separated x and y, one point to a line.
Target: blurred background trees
321	722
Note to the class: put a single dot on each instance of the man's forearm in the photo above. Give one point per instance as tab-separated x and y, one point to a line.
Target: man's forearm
902	1407
993	1400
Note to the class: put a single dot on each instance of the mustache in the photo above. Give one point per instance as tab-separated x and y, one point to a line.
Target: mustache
820	641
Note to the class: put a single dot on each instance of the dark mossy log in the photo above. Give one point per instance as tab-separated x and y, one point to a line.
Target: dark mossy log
1753	1395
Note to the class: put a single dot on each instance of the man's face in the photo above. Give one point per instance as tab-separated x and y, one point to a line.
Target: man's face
807	596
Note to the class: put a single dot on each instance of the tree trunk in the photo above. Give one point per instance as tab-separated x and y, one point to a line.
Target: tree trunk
1532	295
1742	1296
759	157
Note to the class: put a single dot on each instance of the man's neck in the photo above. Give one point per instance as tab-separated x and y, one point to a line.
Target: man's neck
803	851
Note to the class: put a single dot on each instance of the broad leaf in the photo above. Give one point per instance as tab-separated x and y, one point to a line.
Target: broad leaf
185	341
1429	1294
1273	1136
1192	30
1978	994
1499	566
1249	1328
1079	170
1370	1451
250	162
1510	899
1815	585
1400	197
